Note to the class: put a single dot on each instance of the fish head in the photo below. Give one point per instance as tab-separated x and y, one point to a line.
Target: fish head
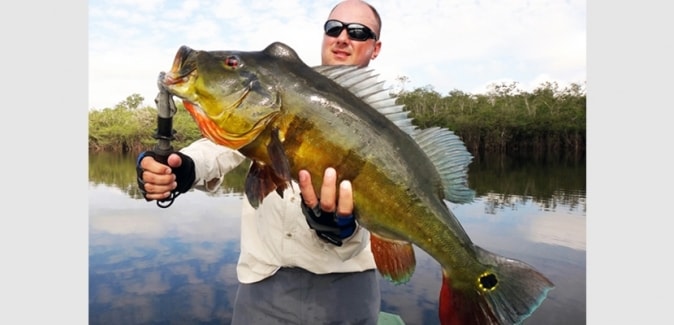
223	91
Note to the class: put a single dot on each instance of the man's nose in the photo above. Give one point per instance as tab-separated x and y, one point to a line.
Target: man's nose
343	36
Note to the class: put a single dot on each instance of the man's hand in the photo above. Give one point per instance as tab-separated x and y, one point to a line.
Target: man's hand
156	181
328	199
332	213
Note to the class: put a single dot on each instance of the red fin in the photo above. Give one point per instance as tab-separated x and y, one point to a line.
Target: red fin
506	291
463	307
395	259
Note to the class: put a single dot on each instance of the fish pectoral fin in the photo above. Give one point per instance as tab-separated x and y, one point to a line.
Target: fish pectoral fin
279	160
394	258
260	181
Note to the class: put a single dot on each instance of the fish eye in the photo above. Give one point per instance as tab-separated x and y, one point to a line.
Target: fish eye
233	62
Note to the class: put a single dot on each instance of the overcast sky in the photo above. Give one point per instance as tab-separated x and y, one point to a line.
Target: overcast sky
460	44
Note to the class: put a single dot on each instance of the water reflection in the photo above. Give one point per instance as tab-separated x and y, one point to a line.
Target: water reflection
550	221
149	265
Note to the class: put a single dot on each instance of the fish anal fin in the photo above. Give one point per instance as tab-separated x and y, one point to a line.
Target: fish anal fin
395	259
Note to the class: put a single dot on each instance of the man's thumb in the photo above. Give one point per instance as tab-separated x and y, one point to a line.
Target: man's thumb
174	160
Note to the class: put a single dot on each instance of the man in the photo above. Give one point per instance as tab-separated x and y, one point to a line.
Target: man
289	271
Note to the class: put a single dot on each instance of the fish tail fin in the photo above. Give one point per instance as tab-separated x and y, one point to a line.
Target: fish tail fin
506	292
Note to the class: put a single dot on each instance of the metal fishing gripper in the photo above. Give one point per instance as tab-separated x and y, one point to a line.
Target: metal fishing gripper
166	109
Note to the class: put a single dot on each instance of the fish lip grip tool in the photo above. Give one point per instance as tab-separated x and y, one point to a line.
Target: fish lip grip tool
166	109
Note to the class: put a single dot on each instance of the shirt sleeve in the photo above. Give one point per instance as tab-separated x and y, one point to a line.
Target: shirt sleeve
211	163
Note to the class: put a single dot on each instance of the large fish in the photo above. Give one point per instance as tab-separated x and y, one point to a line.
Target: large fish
286	116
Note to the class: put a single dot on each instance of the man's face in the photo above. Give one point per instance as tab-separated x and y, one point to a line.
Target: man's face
341	50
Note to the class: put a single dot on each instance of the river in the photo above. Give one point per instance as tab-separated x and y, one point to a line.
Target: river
149	265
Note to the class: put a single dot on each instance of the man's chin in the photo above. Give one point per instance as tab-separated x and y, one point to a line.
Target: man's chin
339	60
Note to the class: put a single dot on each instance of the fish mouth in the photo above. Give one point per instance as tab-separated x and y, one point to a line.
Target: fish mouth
177	81
181	71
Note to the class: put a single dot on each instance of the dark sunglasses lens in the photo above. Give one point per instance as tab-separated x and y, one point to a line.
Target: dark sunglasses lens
333	28
358	33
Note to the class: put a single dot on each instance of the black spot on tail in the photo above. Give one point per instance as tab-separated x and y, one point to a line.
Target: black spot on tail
488	281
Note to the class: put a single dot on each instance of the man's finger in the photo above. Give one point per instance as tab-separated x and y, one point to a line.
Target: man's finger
345	204
151	165
307	189
329	190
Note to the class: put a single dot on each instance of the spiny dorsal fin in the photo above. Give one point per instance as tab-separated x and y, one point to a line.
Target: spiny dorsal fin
363	83
450	157
442	146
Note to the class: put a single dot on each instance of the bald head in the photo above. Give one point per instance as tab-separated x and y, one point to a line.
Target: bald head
368	14
342	49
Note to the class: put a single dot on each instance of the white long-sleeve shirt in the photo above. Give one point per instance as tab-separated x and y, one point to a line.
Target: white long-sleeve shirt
276	234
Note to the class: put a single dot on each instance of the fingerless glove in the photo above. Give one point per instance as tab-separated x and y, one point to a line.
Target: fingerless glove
328	225
185	174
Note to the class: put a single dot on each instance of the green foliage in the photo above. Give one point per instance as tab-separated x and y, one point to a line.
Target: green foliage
130	128
114	169
130	103
545	121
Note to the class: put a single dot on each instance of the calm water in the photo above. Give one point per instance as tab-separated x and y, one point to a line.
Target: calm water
149	265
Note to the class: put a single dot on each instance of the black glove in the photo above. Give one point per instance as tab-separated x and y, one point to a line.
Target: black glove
185	174
328	225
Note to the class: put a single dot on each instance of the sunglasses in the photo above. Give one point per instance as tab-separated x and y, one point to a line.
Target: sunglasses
356	32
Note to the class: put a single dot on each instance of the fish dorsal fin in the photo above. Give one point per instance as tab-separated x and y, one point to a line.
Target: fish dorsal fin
363	83
450	157
444	148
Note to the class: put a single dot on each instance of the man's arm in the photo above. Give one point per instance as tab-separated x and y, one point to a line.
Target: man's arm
211	162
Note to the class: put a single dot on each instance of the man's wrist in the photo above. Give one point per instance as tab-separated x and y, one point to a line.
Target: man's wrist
185	174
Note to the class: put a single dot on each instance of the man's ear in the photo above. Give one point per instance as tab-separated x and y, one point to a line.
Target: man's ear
375	51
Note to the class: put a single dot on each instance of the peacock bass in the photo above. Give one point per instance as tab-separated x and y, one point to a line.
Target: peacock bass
286	116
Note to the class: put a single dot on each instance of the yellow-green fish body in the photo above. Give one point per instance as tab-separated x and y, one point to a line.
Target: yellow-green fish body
286	116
